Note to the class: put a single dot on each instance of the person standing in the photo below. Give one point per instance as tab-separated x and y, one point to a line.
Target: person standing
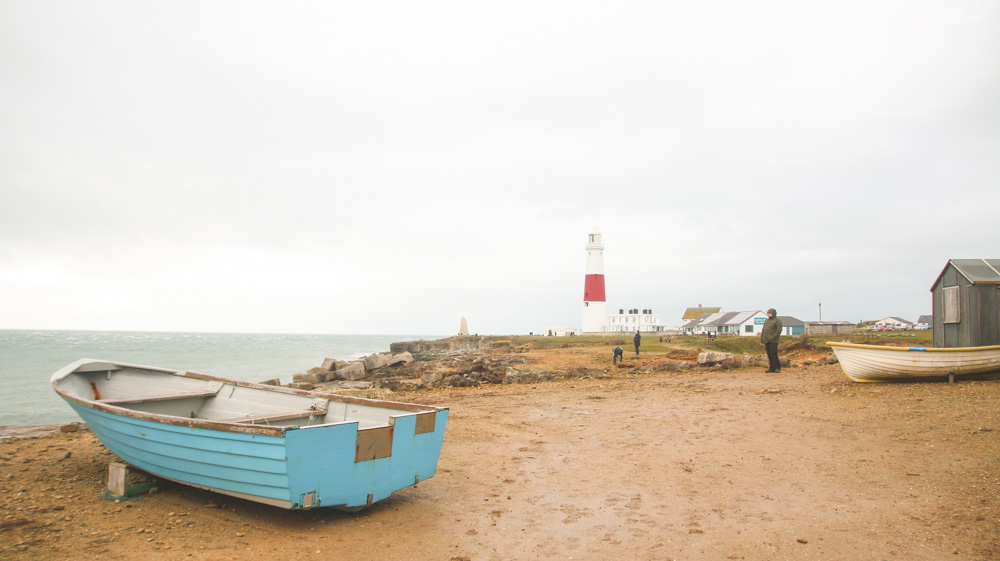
769	337
636	340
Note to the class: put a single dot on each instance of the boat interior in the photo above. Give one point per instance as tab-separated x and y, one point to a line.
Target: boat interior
165	392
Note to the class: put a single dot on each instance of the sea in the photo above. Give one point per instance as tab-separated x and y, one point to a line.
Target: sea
29	357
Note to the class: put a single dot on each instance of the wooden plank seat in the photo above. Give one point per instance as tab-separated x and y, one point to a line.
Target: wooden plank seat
257	418
163	397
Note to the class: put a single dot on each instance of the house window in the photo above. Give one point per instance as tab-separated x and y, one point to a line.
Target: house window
748	329
952	309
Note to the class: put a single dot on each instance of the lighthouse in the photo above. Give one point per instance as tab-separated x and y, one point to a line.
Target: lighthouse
595	314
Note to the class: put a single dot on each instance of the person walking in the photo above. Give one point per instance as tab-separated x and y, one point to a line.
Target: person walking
636	340
769	337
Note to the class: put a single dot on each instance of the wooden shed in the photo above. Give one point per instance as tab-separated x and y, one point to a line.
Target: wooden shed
966	298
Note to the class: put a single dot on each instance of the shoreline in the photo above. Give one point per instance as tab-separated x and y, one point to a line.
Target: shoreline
28	431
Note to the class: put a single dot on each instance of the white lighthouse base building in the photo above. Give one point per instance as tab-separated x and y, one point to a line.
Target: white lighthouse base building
644	321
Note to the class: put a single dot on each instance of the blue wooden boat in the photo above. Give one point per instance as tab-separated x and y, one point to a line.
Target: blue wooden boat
283	447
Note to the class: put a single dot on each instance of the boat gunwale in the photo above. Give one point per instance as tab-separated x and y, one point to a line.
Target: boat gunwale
911	348
222	426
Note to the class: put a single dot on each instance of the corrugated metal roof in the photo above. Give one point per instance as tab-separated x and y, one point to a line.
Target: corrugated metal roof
721	318
978	271
742	317
711	319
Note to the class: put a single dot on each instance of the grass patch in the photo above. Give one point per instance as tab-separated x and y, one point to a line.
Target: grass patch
723	343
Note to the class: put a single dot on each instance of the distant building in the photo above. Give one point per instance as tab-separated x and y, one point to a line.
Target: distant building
829	328
924	322
792	326
701	325
894	322
645	321
744	324
559	332
966	298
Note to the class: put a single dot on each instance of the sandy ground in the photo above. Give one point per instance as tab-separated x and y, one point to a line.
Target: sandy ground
697	464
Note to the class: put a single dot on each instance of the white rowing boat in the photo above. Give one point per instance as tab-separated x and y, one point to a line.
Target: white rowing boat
873	363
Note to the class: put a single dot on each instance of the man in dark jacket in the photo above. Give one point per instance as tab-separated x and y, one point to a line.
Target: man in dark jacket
769	337
636	340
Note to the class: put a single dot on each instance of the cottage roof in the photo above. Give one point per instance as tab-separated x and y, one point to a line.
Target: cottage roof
740	318
925	319
789	321
721	318
712	319
703	319
978	271
694	313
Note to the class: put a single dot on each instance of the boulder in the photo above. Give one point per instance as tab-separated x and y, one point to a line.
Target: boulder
308	378
272	382
353	371
734	361
300	386
400	358
336	364
711	358
376	361
431	377
319	371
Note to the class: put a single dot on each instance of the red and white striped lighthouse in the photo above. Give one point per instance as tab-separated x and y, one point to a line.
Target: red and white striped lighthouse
595	313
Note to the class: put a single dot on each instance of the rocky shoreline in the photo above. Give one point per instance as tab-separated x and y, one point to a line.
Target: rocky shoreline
471	361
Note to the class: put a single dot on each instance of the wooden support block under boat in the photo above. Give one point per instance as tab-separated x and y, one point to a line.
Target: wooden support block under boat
117	479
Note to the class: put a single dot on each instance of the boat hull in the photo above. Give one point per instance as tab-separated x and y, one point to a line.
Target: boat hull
292	466
872	363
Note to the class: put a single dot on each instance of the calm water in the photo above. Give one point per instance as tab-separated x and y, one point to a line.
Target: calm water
28	359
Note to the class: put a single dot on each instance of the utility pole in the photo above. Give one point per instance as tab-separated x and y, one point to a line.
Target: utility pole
821	312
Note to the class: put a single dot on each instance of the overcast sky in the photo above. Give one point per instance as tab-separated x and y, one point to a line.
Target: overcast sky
392	167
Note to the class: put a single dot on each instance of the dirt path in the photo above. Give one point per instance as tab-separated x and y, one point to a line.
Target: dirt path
683	465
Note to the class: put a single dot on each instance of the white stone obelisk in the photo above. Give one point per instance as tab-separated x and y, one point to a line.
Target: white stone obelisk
595	312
